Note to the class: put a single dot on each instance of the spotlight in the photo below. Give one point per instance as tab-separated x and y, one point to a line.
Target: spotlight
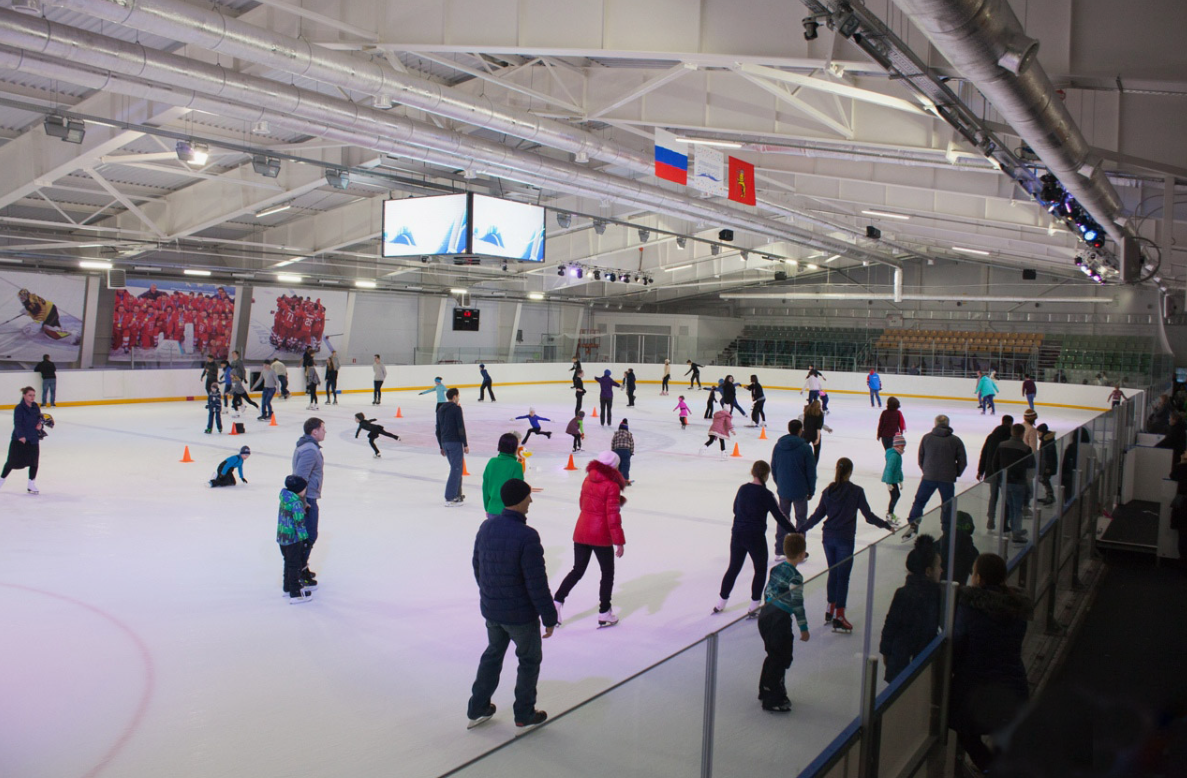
681	242
564	219
714	249
580	272
644	234
611	277
339	179
192	153
599	226
68	130
626	279
1051	192
504	267
810	28
597	275
560	271
268	167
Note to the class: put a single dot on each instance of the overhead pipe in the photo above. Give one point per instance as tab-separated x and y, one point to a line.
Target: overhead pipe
891	297
985	42
349	123
210	28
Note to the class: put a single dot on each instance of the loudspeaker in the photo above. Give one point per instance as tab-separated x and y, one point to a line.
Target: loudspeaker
780	275
725	236
1131	260
117	279
1030	275
873	233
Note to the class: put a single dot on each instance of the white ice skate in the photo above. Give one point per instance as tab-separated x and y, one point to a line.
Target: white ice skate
558	606
720	606
753	609
607	619
33	488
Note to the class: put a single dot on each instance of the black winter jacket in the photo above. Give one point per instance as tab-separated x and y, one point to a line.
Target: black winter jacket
966	555
987	669
509	569
999	435
911	623
451	425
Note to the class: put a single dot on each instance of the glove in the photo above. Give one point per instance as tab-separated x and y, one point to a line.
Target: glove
244	480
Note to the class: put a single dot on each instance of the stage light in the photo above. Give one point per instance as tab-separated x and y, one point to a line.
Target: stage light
560	271
192	153
597	275
810	29
564	219
745	255
611	277
626	279
599	226
504	267
68	130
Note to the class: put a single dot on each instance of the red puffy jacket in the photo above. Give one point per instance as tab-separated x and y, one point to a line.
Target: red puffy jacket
600	522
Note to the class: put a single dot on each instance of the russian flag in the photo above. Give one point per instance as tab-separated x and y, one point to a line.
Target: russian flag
671	158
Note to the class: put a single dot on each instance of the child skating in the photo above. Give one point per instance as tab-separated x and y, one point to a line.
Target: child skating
712	390
892	475
721	429
784	599
533	420
214	410
685	412
576	428
291	536
373	431
224	474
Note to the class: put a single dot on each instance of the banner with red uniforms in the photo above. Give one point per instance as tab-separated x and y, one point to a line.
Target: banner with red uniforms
171	321
287	321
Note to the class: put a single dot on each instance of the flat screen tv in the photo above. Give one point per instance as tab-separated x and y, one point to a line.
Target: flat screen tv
506	229
419	226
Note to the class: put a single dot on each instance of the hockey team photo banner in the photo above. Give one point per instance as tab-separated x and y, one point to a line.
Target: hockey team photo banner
171	321
39	315
285	321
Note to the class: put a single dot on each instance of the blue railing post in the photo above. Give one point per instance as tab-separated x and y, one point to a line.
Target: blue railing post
710	705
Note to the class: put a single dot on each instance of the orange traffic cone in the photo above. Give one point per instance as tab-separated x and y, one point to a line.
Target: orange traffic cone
570	466
233	432
399	414
763	434
464	470
273	422
593	413
186	456
736	453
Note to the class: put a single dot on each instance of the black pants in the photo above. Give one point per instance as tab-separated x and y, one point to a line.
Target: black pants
486	387
312	390
294	562
606	404
709	442
630	397
331	385
581	554
757	413
709	410
238	397
580	397
377	398
774	625
373	435
538	432
895	493
664	389
741	546
20	456
224	479
577	444
696	379
887	442
311	517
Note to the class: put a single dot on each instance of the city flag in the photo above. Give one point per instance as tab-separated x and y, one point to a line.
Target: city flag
708	172
671	158
741	180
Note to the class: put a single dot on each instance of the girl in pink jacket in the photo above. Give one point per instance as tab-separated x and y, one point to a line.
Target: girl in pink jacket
722	428
684	412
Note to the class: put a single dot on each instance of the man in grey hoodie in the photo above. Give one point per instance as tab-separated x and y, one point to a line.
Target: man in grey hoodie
794	469
942	460
308	463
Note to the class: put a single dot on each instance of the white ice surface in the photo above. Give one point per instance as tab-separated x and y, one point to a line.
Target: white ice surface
144	633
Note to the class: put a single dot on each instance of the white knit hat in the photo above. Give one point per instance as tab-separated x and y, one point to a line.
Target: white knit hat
608	458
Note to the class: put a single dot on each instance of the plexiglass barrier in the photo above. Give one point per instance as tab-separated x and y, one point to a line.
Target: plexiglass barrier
697	713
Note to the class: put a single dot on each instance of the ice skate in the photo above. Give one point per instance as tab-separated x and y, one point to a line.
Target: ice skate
783	706
892	520
607	619
33	488
377	455
840	623
558	606
538	718
1	482
453	503
724	455
754	609
207	432
483	718
912	531
992	525
778	560
720	606
828	615
300	597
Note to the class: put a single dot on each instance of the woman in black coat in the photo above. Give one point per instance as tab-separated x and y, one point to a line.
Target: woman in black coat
913	620
989	685
24	450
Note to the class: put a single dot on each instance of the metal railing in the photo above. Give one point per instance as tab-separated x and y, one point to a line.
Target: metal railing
694	713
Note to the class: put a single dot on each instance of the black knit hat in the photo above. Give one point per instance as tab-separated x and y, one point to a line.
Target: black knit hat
514	491
295	484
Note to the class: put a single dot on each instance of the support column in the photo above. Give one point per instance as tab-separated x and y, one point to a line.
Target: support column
511	338
86	357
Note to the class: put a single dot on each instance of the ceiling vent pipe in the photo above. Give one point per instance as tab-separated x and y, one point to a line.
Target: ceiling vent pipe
985	42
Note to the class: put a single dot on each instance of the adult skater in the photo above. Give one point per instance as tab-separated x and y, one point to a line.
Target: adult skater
451	438
282	377
224	474
439	388
942	460
1000	434
986	390
333	365
721	429
239	393
757	401
534	422
24	447
694	370
839	505
311	383
814	426
309	463
874	382
576	428
49	381
578	390
237	366
599	529
575	369
513	596
373	431
748	536
606	397
794	471
307	358
267	382
623	444
628	385
210	373
1011	461
813	383
890	423
379	373
1029	390
487	386
729	395
500	469
667	377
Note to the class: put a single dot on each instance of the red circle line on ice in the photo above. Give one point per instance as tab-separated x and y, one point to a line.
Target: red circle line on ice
150	681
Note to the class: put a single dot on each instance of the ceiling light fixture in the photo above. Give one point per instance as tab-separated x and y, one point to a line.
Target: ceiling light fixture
599	226
830	259
886	215
978	252
273	210
366	284
287	278
681	241
339	179
674	269
535	295
457	291
564	219
193	272
813	266
725	144
68	130
644	234
714	249
91	264
193	153
268	167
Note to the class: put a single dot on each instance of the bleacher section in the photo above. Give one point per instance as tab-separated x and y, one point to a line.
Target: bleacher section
797	347
1114	355
960	341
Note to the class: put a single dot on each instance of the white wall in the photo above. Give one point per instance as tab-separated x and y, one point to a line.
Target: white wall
382	324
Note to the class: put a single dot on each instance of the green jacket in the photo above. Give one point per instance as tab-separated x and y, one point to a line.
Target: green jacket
499	470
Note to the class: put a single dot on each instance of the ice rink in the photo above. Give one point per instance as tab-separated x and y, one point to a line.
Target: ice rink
144	632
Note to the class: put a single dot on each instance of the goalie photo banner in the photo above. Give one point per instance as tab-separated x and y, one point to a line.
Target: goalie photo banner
39	315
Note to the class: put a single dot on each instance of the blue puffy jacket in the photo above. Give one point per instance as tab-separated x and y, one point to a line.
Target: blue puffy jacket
509	568
794	468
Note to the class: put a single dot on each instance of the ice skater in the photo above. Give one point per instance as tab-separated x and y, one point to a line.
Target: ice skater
333	365
487	386
49	381
379	373
578	390
576	428
748	537
440	388
729	395
598	533
721	429
813	425
534	421
291	536
239	394
757	402
24	448
575	369
694	370
712	390
824	401
667	377
892	475
282	377
373	431
813	383
224	474
623	444
606	397
312	381
839	505
784	599
451	439
500	469
628	384
214	410
890	423
267	382
874	382
1029	390
684	410
986	389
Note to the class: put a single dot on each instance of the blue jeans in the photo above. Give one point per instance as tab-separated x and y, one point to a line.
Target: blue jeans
987	403
266	402
311	528
796	512
839	555
214	417
923	494
529	651
453	486
624	462
875	394
1030	400
1015	497
813	396
49	388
